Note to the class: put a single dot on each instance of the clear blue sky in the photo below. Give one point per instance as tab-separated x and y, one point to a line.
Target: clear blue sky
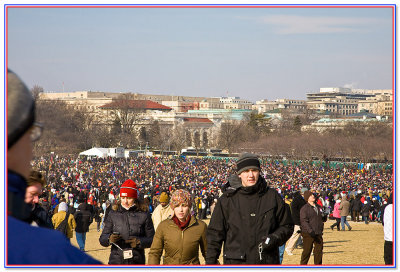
254	53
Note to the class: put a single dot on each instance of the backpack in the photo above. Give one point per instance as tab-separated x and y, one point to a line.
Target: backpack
64	225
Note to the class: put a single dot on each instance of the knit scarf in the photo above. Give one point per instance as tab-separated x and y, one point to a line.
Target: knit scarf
181	225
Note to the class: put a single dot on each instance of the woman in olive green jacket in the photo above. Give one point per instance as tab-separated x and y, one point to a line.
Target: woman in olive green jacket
179	236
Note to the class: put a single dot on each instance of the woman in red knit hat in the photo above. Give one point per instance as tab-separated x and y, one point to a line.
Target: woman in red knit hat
129	229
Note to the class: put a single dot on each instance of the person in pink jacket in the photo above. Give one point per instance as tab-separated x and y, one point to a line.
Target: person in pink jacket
336	215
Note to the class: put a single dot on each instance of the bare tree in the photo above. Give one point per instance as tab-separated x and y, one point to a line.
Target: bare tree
196	140
179	137
166	138
155	134
66	130
36	91
205	139
231	133
188	137
127	112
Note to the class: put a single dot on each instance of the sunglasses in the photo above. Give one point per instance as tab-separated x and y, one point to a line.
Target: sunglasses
36	131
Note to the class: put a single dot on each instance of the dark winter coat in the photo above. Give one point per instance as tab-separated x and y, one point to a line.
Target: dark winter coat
97	212
243	217
357	204
46	206
365	209
128	223
296	205
83	218
41	217
310	220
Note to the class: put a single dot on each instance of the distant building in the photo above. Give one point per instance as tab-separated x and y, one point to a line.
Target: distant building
344	101
235	103
380	104
339	105
337	123
332	93
211	104
264	106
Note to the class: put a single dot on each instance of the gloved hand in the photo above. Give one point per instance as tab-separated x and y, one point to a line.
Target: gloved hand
313	235
114	238
269	242
134	242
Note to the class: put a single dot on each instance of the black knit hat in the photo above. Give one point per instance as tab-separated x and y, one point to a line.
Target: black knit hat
20	108
247	161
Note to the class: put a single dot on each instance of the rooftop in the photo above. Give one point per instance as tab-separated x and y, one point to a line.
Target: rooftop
135	104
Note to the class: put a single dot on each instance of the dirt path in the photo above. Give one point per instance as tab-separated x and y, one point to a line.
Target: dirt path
363	245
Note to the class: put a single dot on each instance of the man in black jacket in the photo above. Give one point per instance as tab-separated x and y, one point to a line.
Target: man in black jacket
250	219
297	203
83	217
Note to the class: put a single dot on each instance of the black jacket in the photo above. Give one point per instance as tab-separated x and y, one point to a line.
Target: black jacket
97	212
296	205
83	218
41	217
357	204
243	217
312	221
128	223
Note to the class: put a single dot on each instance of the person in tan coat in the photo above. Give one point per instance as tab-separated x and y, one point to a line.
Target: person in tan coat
60	216
181	236
344	212
162	211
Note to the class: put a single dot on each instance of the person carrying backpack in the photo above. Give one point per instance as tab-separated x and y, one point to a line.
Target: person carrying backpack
62	223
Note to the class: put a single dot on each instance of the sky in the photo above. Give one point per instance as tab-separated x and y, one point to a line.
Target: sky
252	53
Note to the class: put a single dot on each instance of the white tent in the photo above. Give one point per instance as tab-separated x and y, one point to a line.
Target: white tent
95	151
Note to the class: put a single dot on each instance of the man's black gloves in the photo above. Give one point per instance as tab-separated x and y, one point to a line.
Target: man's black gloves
269	242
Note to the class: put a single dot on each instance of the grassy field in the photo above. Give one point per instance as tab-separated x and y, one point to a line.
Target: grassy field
363	245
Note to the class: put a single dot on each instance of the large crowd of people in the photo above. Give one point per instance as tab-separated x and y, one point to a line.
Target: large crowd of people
99	179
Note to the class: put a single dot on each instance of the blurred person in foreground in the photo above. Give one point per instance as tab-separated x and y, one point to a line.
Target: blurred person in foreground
312	221
250	219
27	244
128	229
39	215
181	236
